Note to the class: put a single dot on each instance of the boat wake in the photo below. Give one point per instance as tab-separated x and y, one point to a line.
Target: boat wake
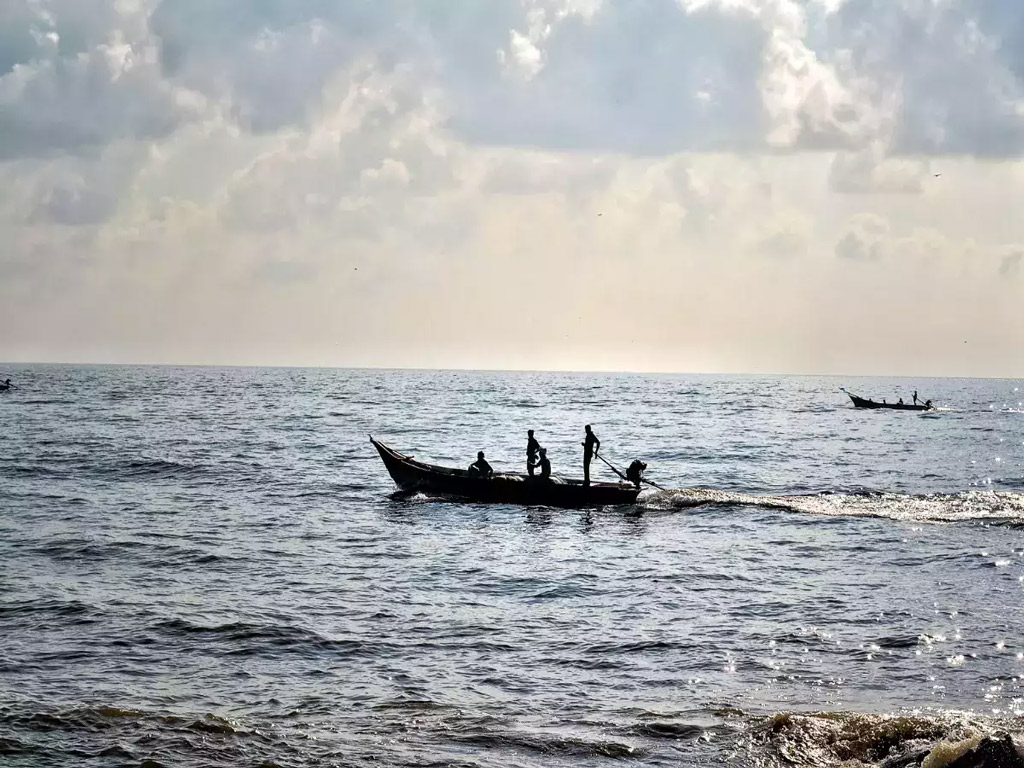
993	507
987	507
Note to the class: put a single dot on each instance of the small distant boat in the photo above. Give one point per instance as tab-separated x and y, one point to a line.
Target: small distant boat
863	402
501	488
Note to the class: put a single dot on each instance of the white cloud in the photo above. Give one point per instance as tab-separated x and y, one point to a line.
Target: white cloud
953	70
869	171
620	76
1010	265
781	236
864	238
390	173
109	93
524	54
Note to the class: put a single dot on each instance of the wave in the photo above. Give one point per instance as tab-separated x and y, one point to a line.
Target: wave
227	471
103	716
154	469
549	744
28	470
241	638
72	549
132	469
149	553
46	401
855	740
913	739
71	612
999	507
660	729
122	736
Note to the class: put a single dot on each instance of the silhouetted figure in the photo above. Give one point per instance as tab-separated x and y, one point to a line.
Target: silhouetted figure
915	397
544	464
480	467
591	445
6	385
927	403
532	446
635	472
884	401
901	401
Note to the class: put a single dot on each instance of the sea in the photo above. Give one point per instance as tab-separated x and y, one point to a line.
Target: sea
211	567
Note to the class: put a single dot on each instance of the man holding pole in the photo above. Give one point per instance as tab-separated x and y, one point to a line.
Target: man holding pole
591	445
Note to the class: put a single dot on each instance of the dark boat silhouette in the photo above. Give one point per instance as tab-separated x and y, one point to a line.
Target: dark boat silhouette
863	402
502	488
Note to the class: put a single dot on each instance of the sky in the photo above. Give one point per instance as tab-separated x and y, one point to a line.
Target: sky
791	186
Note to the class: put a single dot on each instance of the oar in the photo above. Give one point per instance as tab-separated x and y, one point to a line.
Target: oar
612	468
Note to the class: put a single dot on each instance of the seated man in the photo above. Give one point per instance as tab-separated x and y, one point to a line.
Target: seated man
480	467
544	464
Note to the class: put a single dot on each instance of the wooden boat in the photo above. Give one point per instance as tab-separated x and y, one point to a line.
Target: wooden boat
863	402
502	488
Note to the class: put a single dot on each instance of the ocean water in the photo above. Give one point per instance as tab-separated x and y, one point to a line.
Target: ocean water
209	566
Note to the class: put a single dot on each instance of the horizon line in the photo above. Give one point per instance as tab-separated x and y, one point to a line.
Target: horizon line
589	371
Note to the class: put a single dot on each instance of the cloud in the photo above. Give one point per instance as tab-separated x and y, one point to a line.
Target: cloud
781	237
645	78
953	71
267	64
1011	264
111	93
374	150
869	171
203	180
634	77
531	172
76	205
89	78
390	173
913	78
863	239
283	272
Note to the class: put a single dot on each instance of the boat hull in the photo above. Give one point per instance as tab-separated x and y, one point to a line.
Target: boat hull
861	402
412	475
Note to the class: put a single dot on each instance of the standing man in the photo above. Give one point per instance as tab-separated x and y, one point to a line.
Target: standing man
532	446
915	397
590	447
